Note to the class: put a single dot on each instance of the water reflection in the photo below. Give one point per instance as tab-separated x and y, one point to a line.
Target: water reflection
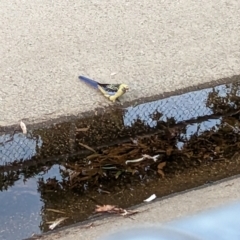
184	107
22	206
19	212
198	129
18	147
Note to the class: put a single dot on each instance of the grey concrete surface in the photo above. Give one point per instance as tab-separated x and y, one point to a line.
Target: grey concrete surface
154	46
159	212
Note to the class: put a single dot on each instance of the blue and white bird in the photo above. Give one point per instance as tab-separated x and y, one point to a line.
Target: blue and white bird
110	91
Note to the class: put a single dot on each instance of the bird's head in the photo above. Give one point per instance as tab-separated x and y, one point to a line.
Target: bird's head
123	87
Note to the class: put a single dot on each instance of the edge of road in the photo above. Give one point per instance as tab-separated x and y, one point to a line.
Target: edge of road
46	121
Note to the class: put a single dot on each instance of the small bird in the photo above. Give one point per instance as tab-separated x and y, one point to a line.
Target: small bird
110	91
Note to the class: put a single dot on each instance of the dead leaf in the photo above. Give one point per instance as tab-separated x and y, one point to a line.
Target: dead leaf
229	185
104	208
72	175
82	129
103	191
118	174
83	178
130	170
128	212
188	154
88	225
160	151
93	156
90	171
206	156
54	210
114	209
169	151
161	165
87	147
161	173
134	141
217	149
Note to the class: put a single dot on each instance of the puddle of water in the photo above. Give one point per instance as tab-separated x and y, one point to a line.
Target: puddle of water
33	187
25	208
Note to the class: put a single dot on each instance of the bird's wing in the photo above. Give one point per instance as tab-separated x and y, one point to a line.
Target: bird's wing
106	89
89	81
110	89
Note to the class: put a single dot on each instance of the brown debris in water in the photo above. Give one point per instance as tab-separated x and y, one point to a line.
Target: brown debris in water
109	163
113	209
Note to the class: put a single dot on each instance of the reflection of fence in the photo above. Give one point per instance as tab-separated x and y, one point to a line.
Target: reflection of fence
179	108
18	147
184	107
111	125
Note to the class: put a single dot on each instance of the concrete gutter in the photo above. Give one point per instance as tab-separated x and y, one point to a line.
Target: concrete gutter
155	47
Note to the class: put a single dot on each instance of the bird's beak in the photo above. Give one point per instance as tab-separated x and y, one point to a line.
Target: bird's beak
126	89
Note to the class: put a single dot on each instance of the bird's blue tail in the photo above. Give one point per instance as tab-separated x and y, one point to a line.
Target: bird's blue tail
89	81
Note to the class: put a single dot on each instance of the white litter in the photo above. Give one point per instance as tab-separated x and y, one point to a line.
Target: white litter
152	197
23	127
57	222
